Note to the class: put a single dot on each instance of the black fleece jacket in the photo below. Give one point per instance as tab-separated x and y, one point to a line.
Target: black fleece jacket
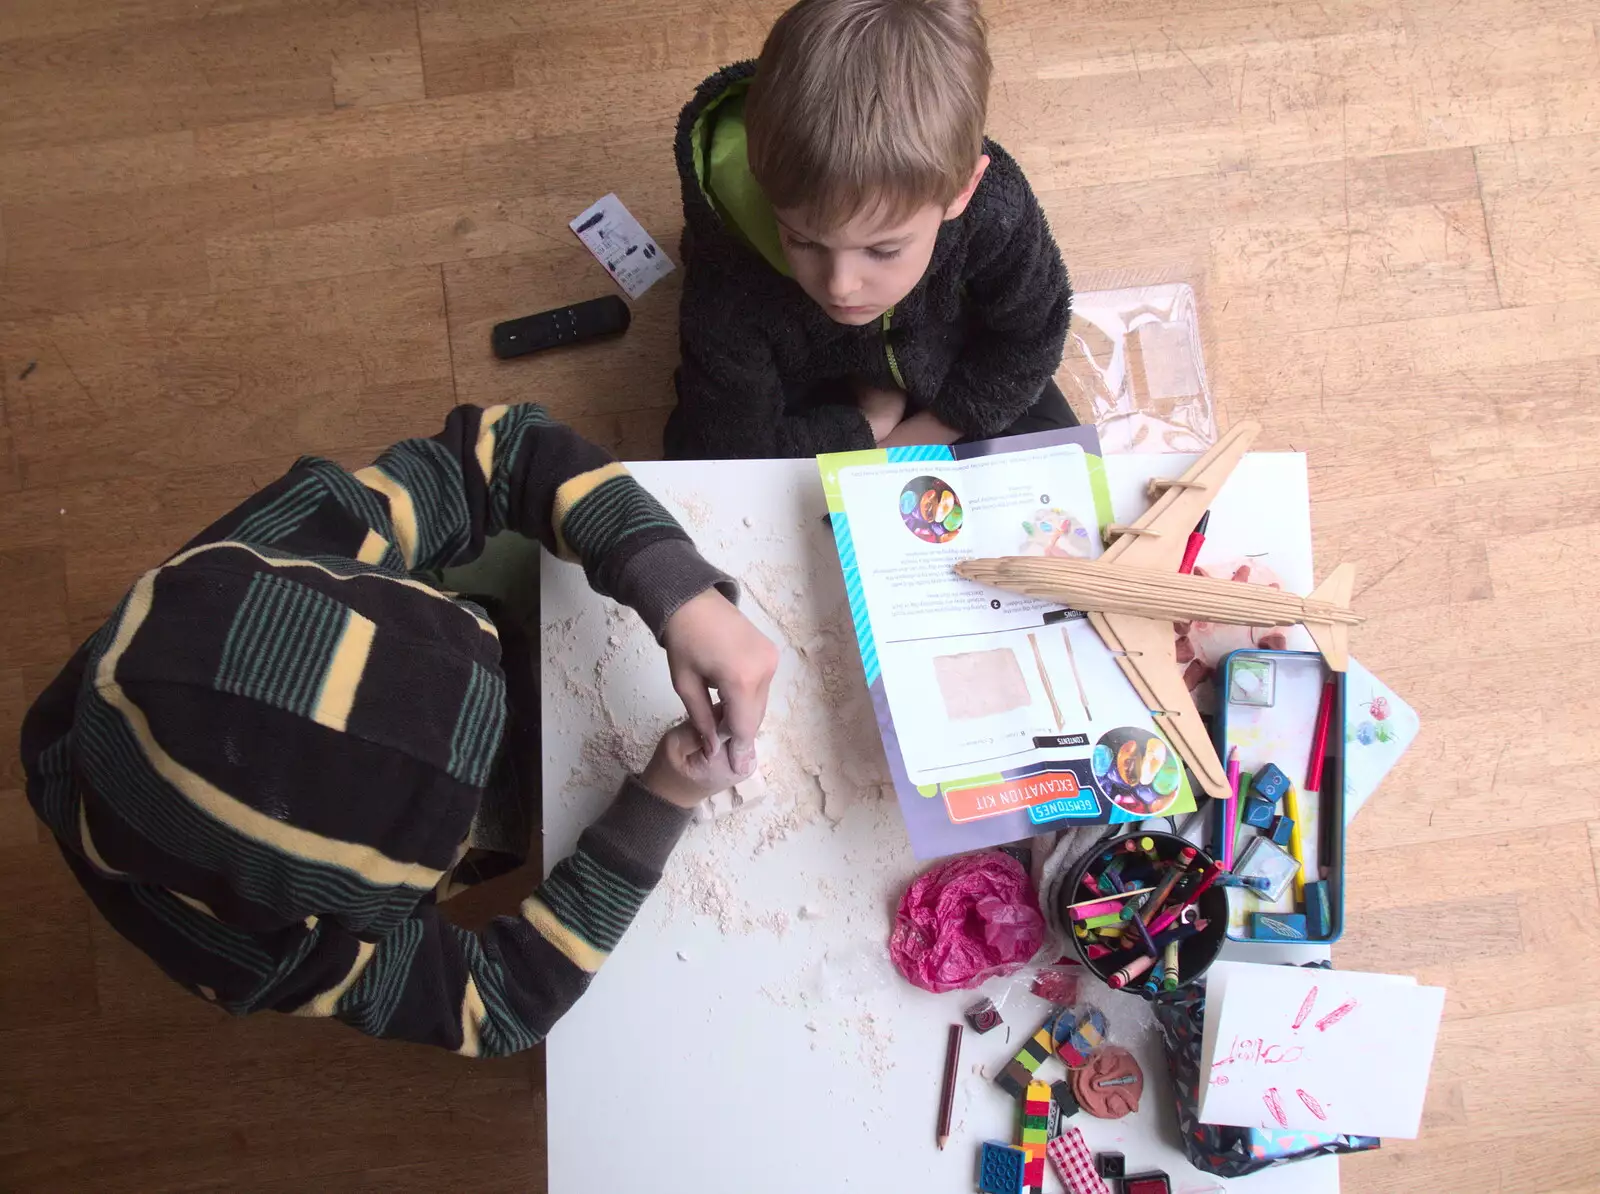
766	372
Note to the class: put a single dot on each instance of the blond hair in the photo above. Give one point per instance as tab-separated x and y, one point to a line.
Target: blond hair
869	105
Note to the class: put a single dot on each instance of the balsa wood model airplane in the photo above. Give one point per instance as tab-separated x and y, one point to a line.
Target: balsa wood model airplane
1133	593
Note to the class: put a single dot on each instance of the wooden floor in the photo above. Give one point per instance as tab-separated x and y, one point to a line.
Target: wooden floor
238	230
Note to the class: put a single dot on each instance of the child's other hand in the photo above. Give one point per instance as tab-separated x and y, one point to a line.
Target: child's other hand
882	409
681	772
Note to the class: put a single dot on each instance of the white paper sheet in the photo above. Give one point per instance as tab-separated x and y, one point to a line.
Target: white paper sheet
609	231
1317	1050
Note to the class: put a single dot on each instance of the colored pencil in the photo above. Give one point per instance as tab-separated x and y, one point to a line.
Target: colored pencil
947	1098
1319	737
1197	539
1230	809
1291	806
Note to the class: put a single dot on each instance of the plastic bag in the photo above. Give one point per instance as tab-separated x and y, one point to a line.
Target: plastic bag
1134	360
967	920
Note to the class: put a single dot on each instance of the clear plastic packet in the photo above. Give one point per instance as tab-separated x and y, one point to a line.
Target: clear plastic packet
1134	361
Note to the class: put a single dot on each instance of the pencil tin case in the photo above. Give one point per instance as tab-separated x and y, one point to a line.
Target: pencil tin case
1267	705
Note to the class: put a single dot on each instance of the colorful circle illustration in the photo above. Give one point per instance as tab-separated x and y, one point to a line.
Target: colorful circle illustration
931	510
1137	770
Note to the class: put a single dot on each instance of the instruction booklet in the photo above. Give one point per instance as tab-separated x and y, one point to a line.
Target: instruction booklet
1001	715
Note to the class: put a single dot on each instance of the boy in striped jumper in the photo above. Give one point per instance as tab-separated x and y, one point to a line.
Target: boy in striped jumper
282	744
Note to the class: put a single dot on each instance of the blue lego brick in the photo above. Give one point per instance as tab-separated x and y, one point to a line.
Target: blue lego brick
1282	828
1257	810
1000	1168
1319	912
1270	783
1278	926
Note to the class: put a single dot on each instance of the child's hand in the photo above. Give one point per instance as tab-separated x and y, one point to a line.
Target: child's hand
920	429
682	773
710	644
882	409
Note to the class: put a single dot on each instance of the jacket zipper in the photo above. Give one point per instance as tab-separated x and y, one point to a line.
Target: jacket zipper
888	351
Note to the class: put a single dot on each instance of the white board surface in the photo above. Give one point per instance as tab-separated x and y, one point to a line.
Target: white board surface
748	1033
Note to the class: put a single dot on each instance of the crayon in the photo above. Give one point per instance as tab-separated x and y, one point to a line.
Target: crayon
1098	922
1177	871
1098	908
1181	933
1169	958
1130	972
1208	878
1111	900
1143	936
1256	883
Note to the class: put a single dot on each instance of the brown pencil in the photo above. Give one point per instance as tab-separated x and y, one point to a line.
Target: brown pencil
947	1099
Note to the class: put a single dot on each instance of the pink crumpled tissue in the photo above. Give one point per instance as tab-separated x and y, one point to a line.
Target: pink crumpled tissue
966	920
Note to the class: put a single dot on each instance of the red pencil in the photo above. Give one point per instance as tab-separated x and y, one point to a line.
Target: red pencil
1319	737
1197	538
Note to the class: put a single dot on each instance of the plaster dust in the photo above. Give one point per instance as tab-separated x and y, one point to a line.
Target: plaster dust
824	790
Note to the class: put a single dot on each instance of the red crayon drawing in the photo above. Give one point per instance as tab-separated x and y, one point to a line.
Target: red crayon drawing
1275	1105
1337	1014
1312	1105
1305	1008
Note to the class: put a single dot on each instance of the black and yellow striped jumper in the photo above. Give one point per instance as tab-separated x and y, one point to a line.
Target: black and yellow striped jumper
264	764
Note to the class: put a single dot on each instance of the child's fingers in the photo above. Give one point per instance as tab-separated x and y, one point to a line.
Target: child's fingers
692	691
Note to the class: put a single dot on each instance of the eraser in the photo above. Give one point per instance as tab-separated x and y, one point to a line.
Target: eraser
1270	783
1282	827
1319	911
1258	810
1278	926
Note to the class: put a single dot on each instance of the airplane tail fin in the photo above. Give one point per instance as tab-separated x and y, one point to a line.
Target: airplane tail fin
1333	638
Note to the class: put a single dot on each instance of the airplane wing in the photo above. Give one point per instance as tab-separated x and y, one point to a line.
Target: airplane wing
1144	649
1157	538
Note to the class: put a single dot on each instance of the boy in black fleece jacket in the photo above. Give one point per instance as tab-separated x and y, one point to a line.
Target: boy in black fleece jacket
863	267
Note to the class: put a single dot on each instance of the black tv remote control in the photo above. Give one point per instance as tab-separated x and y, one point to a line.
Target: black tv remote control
608	316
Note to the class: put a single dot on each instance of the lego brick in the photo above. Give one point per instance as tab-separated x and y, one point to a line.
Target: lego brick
1001	1168
1278	926
1061	1092
1110	1165
1018	1073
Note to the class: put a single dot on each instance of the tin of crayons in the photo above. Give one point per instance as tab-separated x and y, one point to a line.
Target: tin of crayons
1196	952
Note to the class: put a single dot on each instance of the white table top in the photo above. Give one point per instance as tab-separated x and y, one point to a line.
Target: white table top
749	1033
